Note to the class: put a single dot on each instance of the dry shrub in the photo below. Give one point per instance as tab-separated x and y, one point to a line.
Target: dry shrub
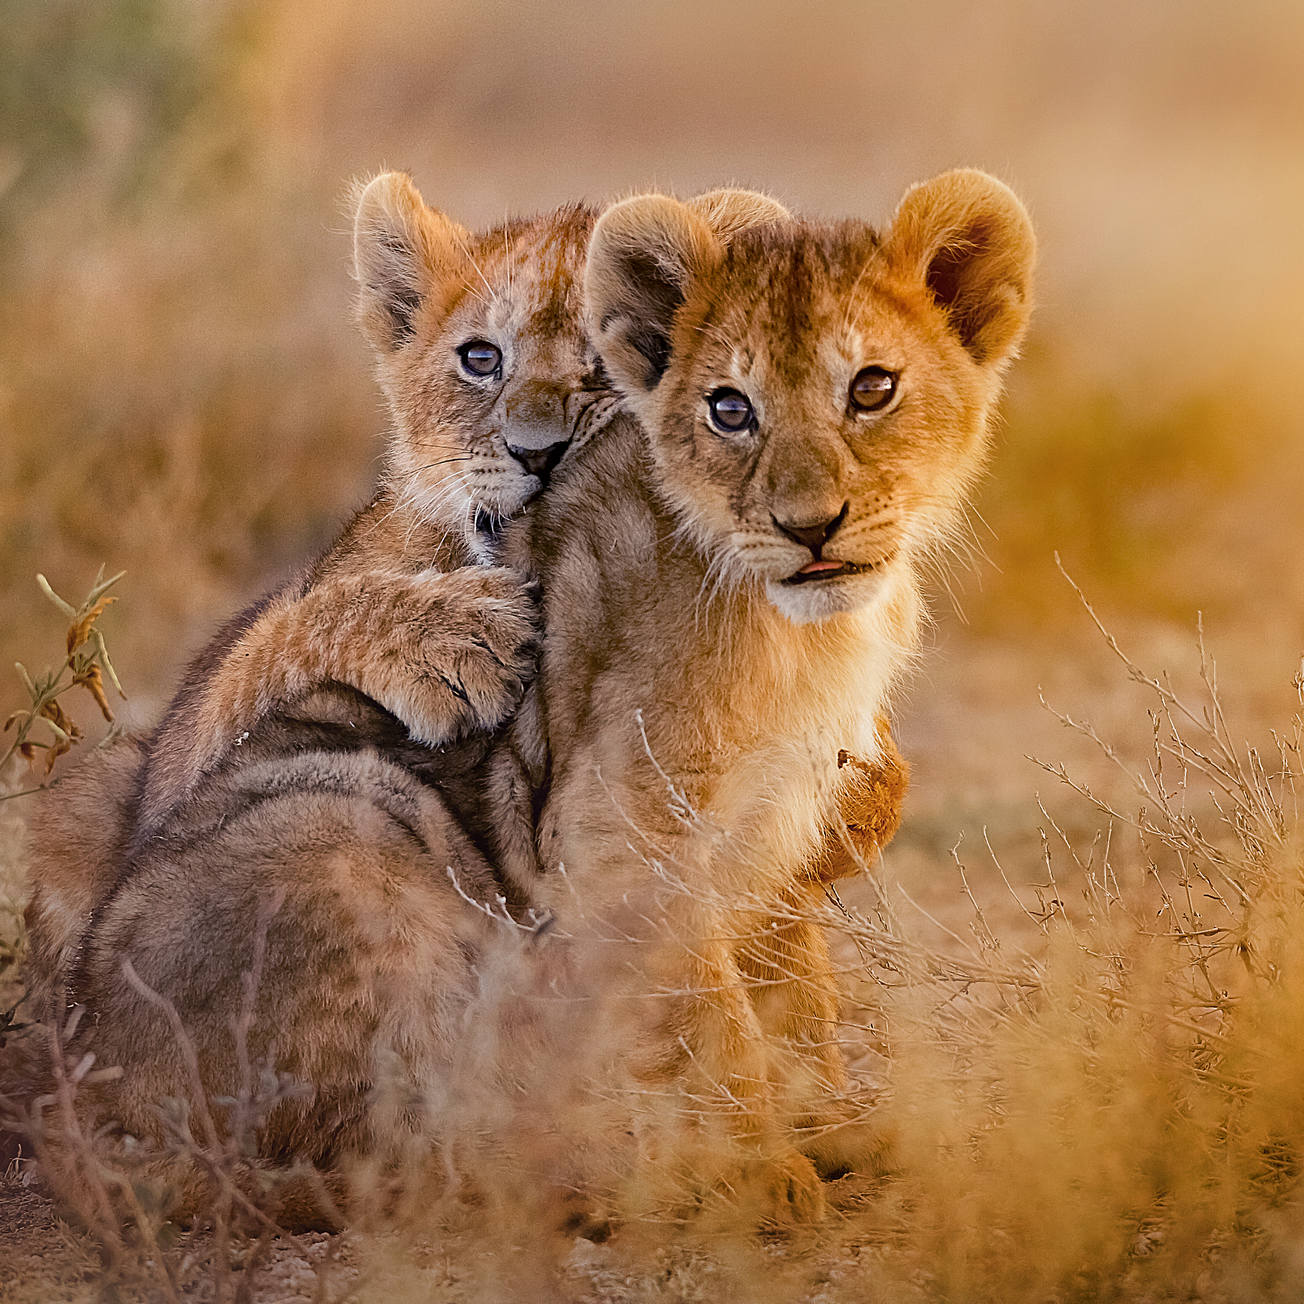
1116	1111
119	1189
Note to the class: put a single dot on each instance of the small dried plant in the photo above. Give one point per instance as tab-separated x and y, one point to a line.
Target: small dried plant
85	665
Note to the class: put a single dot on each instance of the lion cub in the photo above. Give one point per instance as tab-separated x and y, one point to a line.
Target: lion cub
731	586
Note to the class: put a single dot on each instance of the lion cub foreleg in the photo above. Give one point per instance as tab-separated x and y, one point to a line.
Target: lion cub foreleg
446	652
789	968
794	991
712	1047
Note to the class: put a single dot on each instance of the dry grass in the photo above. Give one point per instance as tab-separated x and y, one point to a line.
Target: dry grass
1102	1103
1119	1117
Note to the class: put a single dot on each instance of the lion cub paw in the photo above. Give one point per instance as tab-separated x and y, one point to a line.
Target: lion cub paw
779	1193
463	653
791	1192
839	1147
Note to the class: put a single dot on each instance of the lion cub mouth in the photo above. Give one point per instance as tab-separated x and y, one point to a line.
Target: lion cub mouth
489	525
815	571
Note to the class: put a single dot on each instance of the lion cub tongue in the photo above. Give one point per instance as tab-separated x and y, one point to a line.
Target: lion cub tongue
814	567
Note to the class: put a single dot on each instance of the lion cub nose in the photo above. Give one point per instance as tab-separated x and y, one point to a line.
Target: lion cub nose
814	536
539	461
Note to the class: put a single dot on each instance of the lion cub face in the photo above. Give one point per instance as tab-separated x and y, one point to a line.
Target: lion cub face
479	349
815	396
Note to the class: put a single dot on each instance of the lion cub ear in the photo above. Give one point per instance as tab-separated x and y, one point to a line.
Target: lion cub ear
401	251
970	240
643	254
728	211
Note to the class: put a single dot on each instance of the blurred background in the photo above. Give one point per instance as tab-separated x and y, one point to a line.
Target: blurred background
183	396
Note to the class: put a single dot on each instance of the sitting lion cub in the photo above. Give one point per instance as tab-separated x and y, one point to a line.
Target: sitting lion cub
481	353
730	586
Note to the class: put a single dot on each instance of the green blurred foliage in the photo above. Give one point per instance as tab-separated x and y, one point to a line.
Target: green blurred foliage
103	87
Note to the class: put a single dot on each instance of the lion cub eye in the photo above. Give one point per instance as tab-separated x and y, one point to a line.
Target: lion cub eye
731	411
872	389
480	358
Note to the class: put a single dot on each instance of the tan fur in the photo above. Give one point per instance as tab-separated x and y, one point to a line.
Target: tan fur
393	608
691	697
869	802
371	957
79	831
